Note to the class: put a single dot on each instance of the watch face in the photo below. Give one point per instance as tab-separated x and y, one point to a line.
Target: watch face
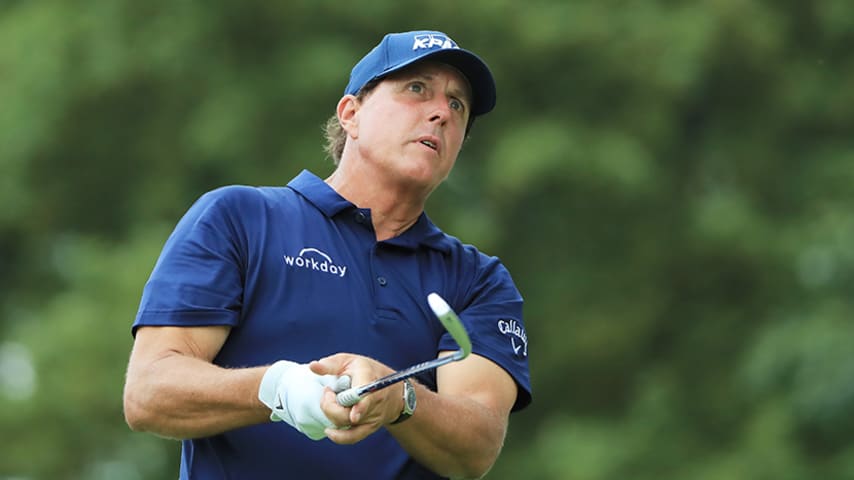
408	402
409	396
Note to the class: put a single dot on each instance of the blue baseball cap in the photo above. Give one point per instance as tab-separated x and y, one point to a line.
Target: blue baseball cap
399	50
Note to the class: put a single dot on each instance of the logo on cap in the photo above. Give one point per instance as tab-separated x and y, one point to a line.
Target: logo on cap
432	40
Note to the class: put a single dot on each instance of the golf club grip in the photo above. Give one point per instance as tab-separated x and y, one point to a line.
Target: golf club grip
348	397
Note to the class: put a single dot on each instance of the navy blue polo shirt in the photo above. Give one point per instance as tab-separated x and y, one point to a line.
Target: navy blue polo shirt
297	274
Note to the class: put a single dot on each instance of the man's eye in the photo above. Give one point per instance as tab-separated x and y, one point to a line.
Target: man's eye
416	87
456	105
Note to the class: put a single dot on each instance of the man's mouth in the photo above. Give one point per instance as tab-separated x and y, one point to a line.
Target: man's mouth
429	143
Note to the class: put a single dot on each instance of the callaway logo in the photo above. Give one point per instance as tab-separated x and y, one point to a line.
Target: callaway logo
518	337
314	259
430	41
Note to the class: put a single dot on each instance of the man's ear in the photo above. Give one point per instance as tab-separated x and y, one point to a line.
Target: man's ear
347	110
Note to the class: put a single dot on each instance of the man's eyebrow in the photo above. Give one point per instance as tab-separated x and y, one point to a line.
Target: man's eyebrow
420	75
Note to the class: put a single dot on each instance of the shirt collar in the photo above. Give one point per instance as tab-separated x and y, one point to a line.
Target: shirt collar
327	200
319	194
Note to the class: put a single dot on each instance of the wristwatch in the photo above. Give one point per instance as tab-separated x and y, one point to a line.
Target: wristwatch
409	402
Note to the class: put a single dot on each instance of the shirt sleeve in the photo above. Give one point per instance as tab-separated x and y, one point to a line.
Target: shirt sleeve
491	310
198	279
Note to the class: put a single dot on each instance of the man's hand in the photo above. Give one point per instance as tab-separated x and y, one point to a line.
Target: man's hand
456	431
372	412
293	393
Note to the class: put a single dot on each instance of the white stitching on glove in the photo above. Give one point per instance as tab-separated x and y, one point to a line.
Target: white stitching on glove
293	393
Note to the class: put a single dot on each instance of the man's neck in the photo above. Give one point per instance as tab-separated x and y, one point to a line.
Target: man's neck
394	208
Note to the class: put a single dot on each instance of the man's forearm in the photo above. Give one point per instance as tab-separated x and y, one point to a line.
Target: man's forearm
453	436
178	396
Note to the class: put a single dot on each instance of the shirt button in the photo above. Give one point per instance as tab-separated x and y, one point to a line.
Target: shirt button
361	217
382	281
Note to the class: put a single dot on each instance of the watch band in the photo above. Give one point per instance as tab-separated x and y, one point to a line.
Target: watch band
409	402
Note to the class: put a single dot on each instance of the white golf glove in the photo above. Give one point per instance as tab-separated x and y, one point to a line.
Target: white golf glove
293	393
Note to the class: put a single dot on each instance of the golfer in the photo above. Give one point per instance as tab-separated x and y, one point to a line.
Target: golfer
266	301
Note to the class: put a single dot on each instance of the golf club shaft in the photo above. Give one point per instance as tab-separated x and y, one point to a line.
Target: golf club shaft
351	396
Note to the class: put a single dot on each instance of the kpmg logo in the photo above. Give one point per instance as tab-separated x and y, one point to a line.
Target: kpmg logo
432	40
518	337
314	259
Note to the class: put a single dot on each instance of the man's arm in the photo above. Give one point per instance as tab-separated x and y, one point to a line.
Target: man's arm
174	390
457	432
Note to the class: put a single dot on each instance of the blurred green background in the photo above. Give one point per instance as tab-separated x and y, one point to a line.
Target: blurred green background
671	184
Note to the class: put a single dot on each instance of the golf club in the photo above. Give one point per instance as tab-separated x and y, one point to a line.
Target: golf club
452	324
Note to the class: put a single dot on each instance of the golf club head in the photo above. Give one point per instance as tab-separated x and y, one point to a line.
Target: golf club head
451	322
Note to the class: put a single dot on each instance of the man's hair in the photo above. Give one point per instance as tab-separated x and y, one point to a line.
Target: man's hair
336	137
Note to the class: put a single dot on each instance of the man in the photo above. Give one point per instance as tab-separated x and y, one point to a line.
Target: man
256	284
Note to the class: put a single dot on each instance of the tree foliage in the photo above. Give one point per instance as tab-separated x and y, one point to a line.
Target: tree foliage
669	183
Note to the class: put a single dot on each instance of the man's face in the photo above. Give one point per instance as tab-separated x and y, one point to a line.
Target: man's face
412	125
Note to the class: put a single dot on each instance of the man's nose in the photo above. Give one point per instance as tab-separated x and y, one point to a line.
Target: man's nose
441	109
